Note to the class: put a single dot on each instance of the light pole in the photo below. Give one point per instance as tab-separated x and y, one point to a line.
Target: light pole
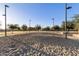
53	23
6	6
29	25
66	8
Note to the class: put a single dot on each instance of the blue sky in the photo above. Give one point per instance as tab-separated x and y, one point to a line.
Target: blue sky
39	13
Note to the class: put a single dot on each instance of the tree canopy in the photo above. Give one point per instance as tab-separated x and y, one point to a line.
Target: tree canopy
24	27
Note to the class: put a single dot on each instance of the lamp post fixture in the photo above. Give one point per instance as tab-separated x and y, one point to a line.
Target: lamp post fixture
66	8
6	6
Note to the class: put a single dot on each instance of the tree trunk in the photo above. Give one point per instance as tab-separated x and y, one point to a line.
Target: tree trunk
12	31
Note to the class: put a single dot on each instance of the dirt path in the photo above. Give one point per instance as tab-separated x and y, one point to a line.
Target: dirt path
38	44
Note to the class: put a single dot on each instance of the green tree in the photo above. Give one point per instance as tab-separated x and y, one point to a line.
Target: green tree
37	27
56	27
24	27
70	25
13	27
63	26
19	28
31	28
76	21
16	26
46	28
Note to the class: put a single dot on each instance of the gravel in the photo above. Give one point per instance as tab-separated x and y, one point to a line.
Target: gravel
38	44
